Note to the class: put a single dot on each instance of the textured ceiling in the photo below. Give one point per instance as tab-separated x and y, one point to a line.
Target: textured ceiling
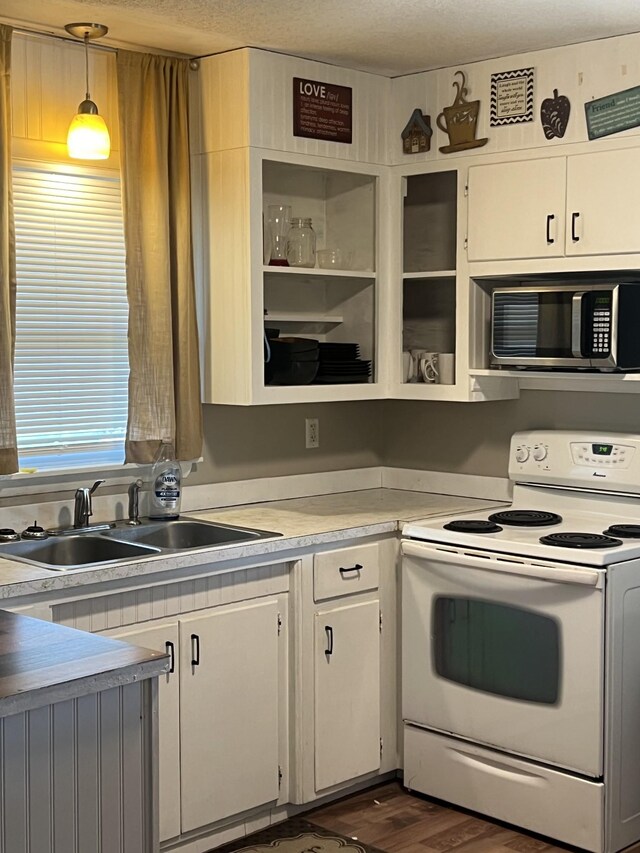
389	37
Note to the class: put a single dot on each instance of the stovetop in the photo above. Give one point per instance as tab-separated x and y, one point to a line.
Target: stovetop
576	499
576	518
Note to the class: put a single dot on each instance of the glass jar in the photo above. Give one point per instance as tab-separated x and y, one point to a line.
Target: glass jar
301	244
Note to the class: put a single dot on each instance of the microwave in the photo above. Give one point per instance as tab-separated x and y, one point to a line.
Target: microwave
594	326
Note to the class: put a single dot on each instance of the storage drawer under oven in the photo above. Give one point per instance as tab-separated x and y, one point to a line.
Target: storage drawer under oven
536	798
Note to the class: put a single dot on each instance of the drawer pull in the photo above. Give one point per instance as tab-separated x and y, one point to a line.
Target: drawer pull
171	651
356	568
329	650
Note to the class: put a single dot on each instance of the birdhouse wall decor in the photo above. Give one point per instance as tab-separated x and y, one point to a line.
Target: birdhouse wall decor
416	137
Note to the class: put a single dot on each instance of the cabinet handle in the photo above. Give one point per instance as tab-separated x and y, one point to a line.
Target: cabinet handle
550	218
195	650
356	568
574	219
329	649
171	651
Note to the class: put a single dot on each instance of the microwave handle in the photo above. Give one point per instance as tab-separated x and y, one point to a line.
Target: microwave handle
576	324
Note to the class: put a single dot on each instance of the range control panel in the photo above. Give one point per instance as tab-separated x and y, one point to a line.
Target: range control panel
609	462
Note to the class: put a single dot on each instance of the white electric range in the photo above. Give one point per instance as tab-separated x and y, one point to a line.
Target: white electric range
521	645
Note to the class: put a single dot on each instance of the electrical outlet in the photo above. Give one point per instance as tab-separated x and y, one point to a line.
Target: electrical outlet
312	433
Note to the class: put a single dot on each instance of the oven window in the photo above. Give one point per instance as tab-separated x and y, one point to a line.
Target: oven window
497	649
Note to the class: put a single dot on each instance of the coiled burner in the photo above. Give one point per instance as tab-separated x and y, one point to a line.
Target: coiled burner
580	540
627	531
473	525
526	517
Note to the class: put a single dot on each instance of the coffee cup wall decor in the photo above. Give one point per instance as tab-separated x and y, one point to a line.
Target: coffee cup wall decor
459	121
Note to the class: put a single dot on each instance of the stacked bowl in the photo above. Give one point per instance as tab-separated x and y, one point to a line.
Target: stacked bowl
294	361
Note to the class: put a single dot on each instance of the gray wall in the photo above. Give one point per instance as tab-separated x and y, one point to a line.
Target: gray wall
268	441
466	438
473	438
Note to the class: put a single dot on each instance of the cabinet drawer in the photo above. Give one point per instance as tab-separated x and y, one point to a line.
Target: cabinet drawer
346	571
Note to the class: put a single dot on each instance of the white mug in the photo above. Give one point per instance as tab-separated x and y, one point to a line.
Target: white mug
429	368
446	368
407	366
416	356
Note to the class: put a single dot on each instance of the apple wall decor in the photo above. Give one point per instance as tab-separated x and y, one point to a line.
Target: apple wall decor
554	115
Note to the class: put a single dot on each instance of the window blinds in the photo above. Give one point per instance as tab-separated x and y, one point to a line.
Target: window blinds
71	363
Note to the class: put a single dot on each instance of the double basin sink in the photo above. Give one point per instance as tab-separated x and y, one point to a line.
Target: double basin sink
121	543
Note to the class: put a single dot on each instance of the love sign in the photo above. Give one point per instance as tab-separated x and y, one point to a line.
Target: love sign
322	111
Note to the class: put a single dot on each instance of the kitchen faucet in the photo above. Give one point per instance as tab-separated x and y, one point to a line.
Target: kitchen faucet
134	497
82	509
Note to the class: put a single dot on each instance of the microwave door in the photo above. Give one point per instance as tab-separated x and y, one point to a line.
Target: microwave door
538	328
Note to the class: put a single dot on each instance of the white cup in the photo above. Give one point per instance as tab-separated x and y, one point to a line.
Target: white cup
429	368
416	356
407	366
446	368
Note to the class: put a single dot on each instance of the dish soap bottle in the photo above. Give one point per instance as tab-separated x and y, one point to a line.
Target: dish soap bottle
164	497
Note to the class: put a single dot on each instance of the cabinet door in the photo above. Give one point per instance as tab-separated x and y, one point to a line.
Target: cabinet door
228	711
347	693
603	213
163	638
516	210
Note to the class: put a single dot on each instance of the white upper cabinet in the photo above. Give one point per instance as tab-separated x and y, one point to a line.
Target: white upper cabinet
584	204
603	213
517	210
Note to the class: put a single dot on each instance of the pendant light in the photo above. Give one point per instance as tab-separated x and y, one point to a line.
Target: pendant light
88	136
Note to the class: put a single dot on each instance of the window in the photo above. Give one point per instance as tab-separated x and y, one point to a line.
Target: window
71	363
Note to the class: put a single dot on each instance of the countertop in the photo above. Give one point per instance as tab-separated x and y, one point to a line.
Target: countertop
42	663
302	522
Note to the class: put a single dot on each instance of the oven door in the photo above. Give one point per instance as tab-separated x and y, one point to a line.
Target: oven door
505	653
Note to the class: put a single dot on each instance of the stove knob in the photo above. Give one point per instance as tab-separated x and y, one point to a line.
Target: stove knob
522	454
539	453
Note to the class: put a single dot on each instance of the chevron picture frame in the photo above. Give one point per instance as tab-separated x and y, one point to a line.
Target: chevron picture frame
511	97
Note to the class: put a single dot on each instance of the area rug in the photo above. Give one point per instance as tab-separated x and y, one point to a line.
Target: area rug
295	836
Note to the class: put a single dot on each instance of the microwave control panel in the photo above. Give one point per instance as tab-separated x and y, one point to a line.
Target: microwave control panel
607	462
601	329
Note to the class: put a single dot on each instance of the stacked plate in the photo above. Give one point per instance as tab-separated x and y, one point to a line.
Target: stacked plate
340	362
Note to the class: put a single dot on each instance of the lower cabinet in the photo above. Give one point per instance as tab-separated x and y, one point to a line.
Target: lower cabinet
347	692
346	689
221	708
229	711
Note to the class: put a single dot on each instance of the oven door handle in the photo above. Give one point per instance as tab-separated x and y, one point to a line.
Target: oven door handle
553	574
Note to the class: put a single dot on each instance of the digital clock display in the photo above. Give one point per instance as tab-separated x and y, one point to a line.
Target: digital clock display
602	449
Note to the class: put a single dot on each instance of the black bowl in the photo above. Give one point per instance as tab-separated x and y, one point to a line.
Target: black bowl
293	346
294	372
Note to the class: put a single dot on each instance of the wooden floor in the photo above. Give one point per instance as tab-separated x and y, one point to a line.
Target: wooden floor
389	818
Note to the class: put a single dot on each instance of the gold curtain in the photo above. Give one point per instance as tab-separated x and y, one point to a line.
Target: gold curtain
8	443
164	381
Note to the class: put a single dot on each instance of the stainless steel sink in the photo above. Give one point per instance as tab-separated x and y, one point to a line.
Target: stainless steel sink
184	534
74	552
122	543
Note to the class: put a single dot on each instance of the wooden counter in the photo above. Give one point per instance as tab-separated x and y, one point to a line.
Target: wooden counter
42	663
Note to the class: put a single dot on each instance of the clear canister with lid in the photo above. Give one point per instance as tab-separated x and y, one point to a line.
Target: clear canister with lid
301	243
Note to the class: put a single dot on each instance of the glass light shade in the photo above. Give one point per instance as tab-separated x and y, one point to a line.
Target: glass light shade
88	137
